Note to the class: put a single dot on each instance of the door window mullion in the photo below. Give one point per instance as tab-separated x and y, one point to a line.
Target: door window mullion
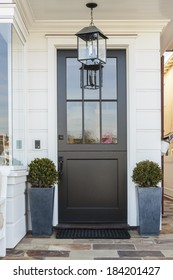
83	112
100	97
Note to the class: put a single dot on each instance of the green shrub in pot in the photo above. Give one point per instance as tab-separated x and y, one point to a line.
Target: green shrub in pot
147	174
42	173
42	177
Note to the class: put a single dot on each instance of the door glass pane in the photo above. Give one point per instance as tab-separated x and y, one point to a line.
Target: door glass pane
91	93
74	122
73	79
91	122
109	122
110	79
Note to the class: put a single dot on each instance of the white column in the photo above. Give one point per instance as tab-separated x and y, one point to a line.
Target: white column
3	193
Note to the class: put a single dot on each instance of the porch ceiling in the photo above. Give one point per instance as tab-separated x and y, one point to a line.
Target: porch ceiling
42	11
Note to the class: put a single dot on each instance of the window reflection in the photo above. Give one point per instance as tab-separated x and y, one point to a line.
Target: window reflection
73	79
93	118
110	79
12	113
91	122
4	61
18	100
74	122
109	122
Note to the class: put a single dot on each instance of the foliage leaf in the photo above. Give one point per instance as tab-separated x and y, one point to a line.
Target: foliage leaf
147	174
42	173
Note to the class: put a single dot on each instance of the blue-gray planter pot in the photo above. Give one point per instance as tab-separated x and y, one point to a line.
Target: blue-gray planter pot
41	206
149	202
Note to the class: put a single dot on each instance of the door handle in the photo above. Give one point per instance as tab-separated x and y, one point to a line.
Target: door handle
60	165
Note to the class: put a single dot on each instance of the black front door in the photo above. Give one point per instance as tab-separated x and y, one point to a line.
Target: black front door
92	142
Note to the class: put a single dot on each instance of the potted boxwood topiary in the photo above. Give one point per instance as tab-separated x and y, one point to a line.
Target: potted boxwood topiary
147	174
42	177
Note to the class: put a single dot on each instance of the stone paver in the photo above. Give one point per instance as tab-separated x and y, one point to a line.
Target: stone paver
141	254
136	248
113	247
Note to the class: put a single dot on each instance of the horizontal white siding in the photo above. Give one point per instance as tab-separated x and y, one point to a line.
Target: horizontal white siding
148	119
148	42
37	100
147	79
148	99
37	95
147	59
148	140
37	79
36	59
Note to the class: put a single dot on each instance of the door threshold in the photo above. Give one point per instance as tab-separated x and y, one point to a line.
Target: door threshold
94	226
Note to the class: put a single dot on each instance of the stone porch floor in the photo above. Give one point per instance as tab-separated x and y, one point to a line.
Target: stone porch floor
135	248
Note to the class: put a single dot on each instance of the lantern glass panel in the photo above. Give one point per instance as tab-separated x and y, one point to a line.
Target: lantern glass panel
82	50
102	49
87	50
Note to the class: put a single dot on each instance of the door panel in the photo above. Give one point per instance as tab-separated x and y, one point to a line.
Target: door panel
92	190
92	143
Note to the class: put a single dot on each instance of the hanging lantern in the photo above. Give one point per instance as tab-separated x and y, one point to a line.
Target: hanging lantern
91	42
91	76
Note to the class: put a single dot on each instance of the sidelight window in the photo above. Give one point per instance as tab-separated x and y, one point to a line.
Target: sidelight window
12	125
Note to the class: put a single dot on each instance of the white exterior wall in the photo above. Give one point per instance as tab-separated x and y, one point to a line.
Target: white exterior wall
143	100
16	208
148	98
37	99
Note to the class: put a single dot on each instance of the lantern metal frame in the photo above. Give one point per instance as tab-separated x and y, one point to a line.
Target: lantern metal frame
91	42
91	76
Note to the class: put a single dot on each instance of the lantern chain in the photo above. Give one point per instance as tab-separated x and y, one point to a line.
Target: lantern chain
92	19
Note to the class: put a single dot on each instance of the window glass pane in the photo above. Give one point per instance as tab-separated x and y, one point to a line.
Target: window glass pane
109	122
92	122
110	79
18	99
91	94
74	122
73	79
5	51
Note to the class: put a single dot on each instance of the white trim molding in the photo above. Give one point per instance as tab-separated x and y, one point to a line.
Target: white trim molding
7	13
20	26
109	27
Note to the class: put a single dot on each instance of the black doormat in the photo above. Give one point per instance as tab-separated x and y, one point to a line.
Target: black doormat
85	233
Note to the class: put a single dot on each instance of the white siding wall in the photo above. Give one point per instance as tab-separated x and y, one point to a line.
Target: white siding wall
148	99
143	101
37	95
